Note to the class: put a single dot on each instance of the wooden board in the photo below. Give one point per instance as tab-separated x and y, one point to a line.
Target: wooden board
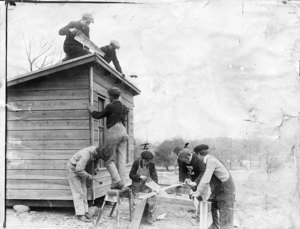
36	174
51	105
47	144
42	184
49	124
36	164
20	95
40	194
42	154
48	135
48	115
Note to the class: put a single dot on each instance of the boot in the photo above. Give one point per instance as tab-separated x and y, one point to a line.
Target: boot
83	218
88	215
118	185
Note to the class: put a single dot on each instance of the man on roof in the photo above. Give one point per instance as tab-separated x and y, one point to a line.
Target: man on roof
73	48
110	54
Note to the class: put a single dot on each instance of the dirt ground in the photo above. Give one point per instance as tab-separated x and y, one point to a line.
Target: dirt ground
260	204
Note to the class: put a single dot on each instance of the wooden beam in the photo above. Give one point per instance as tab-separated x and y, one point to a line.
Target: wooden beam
3	73
138	214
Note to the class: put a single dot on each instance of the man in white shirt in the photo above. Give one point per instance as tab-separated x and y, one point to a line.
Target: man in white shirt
225	194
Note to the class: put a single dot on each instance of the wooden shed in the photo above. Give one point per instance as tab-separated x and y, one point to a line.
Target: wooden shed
48	121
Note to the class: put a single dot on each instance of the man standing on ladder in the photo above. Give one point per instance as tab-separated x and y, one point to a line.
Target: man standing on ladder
224	194
116	137
73	48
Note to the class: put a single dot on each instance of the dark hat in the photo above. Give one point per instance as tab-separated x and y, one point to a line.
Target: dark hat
147	155
114	91
177	150
200	148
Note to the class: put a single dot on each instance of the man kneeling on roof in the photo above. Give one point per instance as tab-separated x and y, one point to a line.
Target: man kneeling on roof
78	177
73	48
143	170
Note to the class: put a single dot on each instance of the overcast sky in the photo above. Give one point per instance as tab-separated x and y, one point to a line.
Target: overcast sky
204	67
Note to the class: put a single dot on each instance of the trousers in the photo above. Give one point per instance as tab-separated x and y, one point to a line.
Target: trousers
78	189
116	140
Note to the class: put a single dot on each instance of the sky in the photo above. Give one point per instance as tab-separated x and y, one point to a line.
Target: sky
219	68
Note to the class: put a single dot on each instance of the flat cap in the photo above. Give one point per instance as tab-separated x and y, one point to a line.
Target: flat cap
114	91
177	150
200	148
115	44
147	155
87	16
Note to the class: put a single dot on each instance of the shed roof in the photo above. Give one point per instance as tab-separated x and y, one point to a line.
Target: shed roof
90	58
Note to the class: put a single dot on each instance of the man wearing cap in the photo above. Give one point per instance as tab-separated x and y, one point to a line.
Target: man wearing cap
116	136
78	177
224	193
110	54
73	48
142	171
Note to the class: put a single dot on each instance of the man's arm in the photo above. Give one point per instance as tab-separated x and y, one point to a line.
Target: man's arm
101	114
80	168
204	182
66	30
182	173
116	63
202	170
153	173
133	176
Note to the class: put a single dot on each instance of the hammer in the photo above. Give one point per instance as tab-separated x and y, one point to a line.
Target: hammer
99	182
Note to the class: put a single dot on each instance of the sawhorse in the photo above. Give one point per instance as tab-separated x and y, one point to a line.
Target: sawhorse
114	196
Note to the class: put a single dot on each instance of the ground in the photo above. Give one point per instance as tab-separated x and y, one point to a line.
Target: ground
261	203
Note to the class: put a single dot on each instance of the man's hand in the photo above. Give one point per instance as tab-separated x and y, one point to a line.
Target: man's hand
90	108
190	183
143	177
73	31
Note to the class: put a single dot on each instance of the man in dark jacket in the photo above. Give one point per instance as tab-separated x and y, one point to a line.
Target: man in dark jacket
73	48
110	54
116	137
142	171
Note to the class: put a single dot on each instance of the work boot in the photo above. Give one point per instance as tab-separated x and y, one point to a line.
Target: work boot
196	221
118	185
88	215
83	218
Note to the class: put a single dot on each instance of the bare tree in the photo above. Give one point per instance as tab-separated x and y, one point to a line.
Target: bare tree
39	53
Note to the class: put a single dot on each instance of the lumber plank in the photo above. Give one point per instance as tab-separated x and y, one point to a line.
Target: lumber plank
42	154
40	194
35	174
36	164
50	104
42	184
20	95
48	115
138	214
48	125
48	135
47	144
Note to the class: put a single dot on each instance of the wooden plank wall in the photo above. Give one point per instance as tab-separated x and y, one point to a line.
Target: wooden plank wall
53	125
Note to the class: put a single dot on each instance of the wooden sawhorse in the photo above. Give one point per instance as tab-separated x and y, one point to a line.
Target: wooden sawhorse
114	195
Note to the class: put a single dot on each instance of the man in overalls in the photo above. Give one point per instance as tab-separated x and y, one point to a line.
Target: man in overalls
224	194
144	170
116	137
77	177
